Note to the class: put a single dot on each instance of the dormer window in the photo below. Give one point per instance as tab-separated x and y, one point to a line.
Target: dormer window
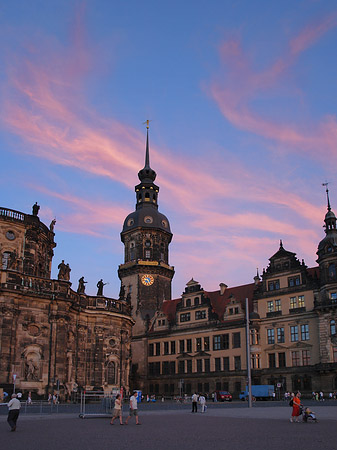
188	302
332	271
147	244
196	301
294	281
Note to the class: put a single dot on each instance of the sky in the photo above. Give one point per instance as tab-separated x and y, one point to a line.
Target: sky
242	101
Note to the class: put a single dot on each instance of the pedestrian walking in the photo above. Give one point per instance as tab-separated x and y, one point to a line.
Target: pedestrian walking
133	409
14	406
296	411
117	412
202	401
194	402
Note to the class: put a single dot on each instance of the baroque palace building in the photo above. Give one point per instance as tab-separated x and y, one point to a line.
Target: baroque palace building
51	335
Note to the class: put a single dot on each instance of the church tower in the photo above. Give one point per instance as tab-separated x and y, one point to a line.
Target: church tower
146	275
326	301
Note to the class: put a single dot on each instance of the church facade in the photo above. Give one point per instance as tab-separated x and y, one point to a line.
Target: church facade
52	337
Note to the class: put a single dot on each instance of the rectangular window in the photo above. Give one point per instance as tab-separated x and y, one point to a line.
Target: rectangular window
282	359
270	306
166	348
255	359
305	332
237	362
151	369
293	302
280	335
200	315
306	357
301	302
147	253
273	285
225	360
182	346
294	281
217	364
181	367
206	387
189	345
157	368
157	348
333	297
278	305
206	343
271	336
189	366
207	365
166	368
236	340
225	341
217	342
172	367
272	360
199	365
294	333
185	317
151	350
198	344
173	347
295	358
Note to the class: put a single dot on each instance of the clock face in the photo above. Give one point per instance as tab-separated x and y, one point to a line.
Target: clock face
147	280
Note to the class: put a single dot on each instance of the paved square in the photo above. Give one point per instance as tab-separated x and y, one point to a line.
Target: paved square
235	429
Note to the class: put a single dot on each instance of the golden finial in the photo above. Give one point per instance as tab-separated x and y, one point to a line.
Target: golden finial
147	123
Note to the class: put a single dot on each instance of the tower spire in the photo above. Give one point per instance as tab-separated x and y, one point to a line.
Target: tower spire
147	175
327	194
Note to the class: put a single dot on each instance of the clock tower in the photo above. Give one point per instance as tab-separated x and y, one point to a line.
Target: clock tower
146	275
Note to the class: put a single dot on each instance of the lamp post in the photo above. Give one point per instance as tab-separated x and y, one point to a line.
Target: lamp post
249	374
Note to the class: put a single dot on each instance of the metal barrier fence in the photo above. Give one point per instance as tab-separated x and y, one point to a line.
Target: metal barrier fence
96	404
36	407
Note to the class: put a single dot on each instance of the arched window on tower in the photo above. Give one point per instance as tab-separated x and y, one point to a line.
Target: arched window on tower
147	197
332	327
332	271
139	196
132	251
162	251
111	373
154	197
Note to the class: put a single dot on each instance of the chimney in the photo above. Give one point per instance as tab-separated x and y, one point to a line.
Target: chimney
223	287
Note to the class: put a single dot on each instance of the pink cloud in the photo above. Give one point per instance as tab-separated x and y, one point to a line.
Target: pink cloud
52	117
240	84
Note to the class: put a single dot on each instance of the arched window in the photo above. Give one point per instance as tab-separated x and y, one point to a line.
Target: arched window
132	251
332	327
111	373
5	260
196	301
188	302
332	271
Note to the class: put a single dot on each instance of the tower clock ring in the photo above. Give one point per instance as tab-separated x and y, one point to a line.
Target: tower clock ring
147	280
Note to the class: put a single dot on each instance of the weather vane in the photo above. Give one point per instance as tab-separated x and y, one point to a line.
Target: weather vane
147	123
326	184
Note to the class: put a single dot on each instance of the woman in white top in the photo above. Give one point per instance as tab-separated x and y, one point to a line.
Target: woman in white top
117	412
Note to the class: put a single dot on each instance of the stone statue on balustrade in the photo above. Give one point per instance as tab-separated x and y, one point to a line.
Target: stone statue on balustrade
52	225
36	208
100	286
61	267
81	285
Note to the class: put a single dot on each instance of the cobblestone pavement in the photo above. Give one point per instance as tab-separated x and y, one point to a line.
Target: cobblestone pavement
220	428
